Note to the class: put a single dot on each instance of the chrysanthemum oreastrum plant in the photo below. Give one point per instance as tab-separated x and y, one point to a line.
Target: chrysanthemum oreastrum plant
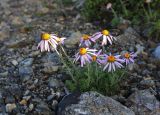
92	68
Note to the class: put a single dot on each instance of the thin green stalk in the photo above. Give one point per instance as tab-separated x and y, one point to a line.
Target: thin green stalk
68	68
96	71
114	13
150	12
147	15
88	74
124	8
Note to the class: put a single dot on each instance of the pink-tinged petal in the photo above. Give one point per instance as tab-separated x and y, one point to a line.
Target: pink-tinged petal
86	43
105	66
91	50
110	67
81	40
77	58
54	36
97	36
117	56
82	61
98	61
113	66
88	56
39	44
131	60
120	60
45	45
89	43
53	41
97	33
109	40
104	41
99	52
119	65
127	62
42	47
92	39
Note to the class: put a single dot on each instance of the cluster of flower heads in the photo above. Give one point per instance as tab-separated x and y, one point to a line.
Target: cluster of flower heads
110	62
85	54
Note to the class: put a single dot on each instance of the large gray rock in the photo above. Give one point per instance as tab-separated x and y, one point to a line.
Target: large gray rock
130	36
93	103
73	39
143	102
157	52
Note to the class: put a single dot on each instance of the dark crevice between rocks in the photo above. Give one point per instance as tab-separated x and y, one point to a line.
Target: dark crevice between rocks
67	100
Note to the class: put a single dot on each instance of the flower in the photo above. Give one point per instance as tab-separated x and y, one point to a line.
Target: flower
129	58
106	37
59	40
84	55
112	62
96	57
86	40
47	41
109	5
148	1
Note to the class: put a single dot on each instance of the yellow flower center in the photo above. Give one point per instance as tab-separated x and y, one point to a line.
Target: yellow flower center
127	55
94	58
105	32
111	58
85	37
45	36
82	51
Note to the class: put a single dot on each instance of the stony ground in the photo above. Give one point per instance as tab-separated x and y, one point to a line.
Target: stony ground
32	82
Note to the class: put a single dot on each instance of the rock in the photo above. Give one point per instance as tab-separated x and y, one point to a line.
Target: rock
27	62
23	102
3	35
25	71
73	39
4	74
130	37
16	20
27	98
140	49
15	43
148	83
4	31
156	112
54	104
31	106
50	97
43	10
10	107
10	99
54	83
143	102
14	62
50	59
157	52
18	42
93	103
50	69
42	108
130	31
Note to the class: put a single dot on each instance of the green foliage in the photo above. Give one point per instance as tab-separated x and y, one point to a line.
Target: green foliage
92	77
92	9
137	11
